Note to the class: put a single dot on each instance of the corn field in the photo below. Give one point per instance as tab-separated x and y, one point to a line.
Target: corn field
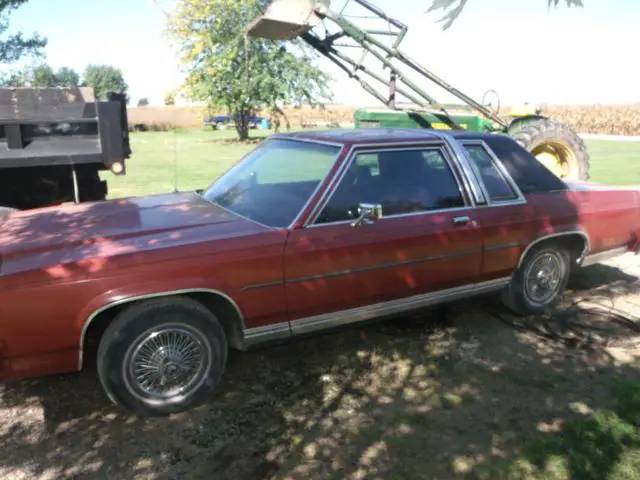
609	120
601	119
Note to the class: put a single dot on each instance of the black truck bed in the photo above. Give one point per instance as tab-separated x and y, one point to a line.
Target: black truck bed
57	126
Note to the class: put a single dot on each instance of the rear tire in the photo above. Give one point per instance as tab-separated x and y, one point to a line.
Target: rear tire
539	135
540	280
162	356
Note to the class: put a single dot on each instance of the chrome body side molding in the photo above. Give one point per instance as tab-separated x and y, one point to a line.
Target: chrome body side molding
255	336
258	335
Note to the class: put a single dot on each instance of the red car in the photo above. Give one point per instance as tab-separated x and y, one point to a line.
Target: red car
309	231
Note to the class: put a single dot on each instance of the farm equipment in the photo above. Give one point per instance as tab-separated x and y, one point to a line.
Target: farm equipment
553	143
55	141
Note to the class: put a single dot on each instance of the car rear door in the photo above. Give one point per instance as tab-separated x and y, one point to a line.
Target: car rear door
425	246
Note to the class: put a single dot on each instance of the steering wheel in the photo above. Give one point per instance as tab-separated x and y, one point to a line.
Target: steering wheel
489	105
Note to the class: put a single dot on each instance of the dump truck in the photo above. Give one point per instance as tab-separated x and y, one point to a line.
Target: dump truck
333	33
54	142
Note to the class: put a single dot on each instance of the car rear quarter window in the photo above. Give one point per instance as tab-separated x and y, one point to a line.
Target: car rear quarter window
402	181
496	184
530	175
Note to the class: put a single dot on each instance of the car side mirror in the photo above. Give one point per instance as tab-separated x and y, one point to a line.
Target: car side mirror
368	213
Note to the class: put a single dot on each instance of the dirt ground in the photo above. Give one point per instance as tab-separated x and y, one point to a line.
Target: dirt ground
442	395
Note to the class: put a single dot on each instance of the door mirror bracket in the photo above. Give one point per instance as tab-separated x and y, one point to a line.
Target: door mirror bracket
369	212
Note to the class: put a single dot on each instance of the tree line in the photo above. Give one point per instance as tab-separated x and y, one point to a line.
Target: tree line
103	78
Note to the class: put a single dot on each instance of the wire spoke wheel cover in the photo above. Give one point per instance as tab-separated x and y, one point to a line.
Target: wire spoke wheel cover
165	362
543	278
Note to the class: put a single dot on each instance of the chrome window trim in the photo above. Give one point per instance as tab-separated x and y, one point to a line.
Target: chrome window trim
439	145
398	215
320	183
520	198
459	154
125	300
284	136
329	187
349	158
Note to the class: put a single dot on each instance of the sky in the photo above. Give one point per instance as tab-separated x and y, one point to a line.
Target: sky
522	49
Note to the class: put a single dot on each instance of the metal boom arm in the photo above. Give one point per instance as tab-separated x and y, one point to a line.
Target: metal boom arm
287	19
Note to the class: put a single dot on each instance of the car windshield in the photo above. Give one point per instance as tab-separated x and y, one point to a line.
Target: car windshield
272	184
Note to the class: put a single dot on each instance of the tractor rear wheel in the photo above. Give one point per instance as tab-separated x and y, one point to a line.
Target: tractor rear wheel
556	146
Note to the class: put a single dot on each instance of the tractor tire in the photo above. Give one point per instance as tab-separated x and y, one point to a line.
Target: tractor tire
550	141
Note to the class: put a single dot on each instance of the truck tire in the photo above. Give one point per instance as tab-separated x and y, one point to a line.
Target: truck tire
556	146
4	211
162	356
545	265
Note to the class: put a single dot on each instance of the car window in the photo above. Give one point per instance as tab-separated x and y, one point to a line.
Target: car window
402	181
272	184
530	175
497	186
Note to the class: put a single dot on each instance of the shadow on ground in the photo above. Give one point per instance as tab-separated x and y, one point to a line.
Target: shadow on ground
463	391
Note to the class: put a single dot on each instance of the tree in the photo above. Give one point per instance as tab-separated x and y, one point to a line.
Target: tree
14	47
169	99
143	102
44	76
67	77
104	79
454	8
41	76
236	74
17	78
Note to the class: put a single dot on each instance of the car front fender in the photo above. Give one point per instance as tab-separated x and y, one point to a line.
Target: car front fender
148	290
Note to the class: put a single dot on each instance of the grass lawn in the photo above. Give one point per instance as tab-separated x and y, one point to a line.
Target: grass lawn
201	156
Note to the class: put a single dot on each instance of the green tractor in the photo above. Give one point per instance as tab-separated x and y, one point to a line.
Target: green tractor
553	143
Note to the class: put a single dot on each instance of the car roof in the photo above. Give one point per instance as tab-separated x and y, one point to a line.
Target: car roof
355	136
363	135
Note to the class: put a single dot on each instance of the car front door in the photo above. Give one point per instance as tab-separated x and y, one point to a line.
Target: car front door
424	245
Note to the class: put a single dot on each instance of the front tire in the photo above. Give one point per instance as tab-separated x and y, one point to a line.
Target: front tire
540	280
162	356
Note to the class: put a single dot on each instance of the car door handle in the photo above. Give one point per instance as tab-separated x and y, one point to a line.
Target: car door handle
461	220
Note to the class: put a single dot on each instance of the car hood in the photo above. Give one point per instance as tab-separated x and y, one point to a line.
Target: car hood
49	236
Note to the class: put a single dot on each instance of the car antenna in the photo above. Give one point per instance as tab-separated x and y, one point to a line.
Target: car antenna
175	155
175	132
